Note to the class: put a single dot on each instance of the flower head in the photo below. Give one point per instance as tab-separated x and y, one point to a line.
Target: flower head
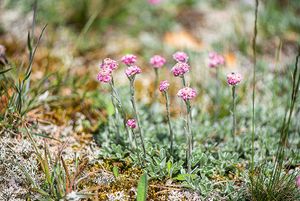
129	59
157	61
180	69
298	181
215	60
132	71
187	93
180	57
104	75
109	64
163	86
131	123
234	78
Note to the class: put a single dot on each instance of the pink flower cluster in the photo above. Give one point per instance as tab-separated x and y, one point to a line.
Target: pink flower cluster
129	59
109	64
215	60
180	69
180	57
234	78
132	71
106	68
164	85
104	75
131	123
187	93
157	61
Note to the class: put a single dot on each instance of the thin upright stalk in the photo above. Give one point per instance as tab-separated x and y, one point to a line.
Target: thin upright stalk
169	122
233	112
136	146
217	93
254	85
155	84
295	89
183	81
285	125
116	114
192	136
118	103
132	99
287	121
31	40
188	136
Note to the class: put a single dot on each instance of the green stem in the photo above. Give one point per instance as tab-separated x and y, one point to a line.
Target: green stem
287	119
285	126
116	97
183	81
132	92
116	114
155	84
189	135
169	122
253	89
192	136
217	93
233	112
136	146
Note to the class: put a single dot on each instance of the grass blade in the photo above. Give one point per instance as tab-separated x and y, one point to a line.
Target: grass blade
5	71
142	188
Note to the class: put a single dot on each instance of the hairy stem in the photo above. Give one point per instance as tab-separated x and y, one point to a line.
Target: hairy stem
119	105
183	81
169	122
116	115
192	136
155	84
188	135
136	146
233	112
217	94
132	92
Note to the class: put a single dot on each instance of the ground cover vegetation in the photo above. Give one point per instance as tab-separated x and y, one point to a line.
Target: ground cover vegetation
182	101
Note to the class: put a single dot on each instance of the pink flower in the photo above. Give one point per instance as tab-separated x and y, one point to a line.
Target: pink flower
129	59
180	69
132	71
215	60
157	61
109	63
298	181
131	123
104	75
234	78
164	85
154	2
187	93
180	57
